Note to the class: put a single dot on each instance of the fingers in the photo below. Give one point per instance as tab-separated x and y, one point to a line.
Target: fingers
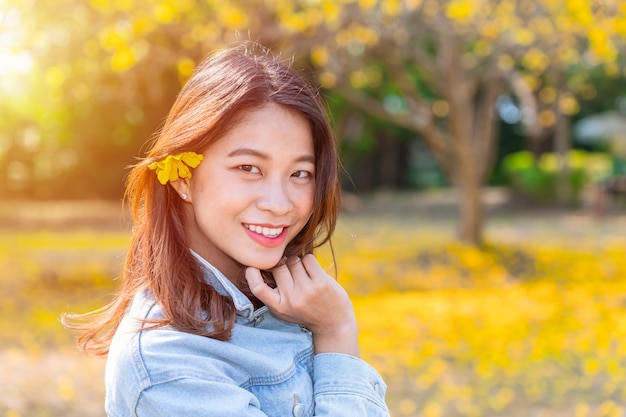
269	296
290	277
298	281
313	267
291	274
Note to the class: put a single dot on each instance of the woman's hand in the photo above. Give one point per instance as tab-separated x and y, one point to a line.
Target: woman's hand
305	294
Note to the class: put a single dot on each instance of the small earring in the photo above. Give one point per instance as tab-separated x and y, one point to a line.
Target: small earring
184	196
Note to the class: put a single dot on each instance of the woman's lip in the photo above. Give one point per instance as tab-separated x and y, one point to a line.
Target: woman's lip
268	225
265	230
266	241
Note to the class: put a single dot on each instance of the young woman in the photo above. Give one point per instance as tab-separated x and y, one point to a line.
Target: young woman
224	311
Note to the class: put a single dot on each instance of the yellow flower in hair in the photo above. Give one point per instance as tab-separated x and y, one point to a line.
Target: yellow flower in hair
174	167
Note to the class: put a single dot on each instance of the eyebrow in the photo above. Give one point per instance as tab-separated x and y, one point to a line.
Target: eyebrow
259	154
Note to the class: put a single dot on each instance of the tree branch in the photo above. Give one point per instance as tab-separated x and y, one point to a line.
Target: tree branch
425	126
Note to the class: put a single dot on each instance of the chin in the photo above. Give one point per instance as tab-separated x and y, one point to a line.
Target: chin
265	264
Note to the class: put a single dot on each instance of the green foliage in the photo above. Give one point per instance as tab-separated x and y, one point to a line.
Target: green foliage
537	179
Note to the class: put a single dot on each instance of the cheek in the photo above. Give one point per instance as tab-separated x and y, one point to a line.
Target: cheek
214	188
308	196
306	206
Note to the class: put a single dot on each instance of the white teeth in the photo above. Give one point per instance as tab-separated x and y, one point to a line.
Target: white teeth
265	231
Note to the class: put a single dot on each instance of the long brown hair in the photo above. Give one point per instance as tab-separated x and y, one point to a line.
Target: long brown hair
223	88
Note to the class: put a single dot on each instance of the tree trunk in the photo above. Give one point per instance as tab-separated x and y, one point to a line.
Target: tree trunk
470	221
462	122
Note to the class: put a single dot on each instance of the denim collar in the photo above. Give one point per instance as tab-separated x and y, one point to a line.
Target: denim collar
225	287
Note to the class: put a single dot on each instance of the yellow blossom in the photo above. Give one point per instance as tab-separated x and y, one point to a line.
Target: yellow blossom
176	166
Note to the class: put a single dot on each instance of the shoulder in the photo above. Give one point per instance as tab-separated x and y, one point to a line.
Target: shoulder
140	361
263	357
146	357
149	357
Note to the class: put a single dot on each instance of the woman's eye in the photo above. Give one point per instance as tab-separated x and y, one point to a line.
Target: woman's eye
301	174
250	168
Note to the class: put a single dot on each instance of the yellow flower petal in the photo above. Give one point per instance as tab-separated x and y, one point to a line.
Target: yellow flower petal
163	174
192	159
172	171
176	166
183	170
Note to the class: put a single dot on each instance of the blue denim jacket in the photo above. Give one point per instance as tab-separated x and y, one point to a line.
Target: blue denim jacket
268	368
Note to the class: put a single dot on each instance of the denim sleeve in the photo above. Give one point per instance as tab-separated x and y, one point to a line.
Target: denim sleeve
198	398
345	386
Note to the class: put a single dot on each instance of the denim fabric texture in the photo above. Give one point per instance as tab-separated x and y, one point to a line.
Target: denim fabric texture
268	368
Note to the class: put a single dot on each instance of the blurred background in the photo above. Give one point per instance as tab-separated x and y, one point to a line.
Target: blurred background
484	147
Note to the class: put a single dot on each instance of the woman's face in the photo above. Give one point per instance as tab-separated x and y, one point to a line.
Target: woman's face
253	192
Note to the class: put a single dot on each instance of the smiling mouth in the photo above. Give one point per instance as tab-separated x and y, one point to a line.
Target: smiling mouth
270	232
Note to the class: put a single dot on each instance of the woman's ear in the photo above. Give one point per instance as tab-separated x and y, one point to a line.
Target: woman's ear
183	187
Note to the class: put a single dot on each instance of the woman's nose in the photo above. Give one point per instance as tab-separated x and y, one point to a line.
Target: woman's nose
275	197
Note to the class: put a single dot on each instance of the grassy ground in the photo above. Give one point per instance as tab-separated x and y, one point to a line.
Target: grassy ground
531	325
